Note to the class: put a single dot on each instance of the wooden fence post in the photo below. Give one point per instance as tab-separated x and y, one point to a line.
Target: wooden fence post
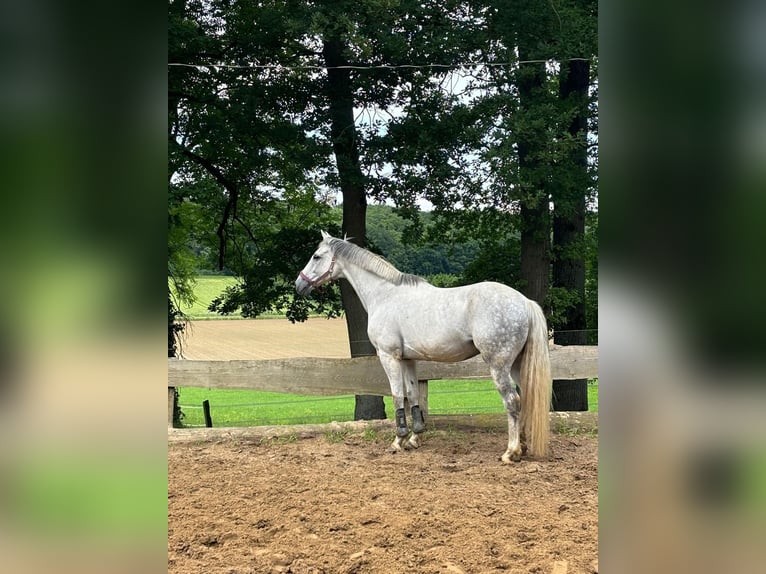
423	390
171	405
206	412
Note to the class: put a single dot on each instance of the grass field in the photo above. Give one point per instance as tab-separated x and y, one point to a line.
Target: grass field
251	408
207	288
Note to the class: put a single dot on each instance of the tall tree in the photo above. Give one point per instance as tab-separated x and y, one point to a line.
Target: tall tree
571	187
534	212
528	28
569	199
346	150
239	147
371	36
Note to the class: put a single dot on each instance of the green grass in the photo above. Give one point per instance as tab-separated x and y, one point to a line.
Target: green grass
250	408
207	288
593	395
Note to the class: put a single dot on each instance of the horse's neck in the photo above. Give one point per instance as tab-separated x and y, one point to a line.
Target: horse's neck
368	285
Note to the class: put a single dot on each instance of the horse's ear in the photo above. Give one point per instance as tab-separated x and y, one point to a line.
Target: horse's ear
325	235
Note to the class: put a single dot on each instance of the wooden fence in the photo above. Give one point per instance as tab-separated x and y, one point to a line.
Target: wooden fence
359	376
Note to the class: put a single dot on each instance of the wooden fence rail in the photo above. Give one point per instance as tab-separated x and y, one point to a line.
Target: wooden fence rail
359	376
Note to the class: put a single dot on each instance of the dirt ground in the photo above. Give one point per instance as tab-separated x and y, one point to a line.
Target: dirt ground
339	502
254	339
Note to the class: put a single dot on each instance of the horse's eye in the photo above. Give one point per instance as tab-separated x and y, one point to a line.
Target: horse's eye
316	257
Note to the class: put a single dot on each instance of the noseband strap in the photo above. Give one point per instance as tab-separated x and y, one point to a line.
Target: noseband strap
316	282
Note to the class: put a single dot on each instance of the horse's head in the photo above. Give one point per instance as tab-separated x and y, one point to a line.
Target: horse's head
319	270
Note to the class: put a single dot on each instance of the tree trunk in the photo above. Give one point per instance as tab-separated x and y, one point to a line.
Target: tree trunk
535	252
346	152
569	232
535	216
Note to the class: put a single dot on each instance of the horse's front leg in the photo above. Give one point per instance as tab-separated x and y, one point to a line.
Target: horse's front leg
410	378
394	371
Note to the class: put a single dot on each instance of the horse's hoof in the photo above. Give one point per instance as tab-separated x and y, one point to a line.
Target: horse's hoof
396	446
414	442
510	457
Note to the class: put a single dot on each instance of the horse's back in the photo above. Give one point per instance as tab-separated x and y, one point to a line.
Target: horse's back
486	303
450	324
422	322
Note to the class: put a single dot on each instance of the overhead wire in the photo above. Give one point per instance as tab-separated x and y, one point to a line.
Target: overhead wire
373	67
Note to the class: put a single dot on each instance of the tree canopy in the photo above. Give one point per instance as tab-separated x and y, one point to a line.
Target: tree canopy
456	103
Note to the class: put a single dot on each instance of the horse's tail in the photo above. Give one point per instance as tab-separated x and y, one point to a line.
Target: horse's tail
536	383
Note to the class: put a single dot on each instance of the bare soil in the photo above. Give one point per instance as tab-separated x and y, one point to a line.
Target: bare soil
255	339
339	502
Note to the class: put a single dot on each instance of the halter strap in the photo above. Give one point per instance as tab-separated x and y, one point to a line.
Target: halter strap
318	280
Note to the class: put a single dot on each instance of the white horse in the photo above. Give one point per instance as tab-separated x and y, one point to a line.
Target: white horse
411	320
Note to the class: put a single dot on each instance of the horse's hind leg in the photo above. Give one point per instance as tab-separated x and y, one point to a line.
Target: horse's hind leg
516	375
512	402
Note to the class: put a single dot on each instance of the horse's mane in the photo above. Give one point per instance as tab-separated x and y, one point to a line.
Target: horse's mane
371	262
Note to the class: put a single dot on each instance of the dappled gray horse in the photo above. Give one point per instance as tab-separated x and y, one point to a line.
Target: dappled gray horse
411	320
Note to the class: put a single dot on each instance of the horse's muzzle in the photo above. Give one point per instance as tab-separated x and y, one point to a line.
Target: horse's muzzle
303	287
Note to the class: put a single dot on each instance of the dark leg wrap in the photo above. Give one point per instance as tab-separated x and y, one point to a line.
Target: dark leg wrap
401	423
418	422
